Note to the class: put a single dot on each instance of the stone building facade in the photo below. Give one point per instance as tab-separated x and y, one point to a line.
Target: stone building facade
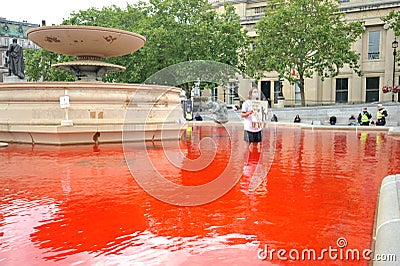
376	61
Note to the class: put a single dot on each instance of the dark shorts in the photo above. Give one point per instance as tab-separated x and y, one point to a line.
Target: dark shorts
252	136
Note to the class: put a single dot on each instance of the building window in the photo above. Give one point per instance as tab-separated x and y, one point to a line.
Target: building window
373	44
233	92
277	88
344	1
259	10
372	90
6	42
342	90
214	94
266	90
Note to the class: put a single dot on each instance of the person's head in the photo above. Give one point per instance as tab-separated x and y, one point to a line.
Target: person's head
380	106
14	40
253	94
365	109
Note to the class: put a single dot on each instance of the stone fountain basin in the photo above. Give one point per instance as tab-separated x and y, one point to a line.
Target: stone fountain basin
30	112
86	40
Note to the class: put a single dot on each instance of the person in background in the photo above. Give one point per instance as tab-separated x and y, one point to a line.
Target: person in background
269	102
198	117
364	117
332	120
381	115
189	116
274	118
252	130
352	121
297	119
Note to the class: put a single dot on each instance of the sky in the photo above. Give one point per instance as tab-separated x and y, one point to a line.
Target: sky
53	11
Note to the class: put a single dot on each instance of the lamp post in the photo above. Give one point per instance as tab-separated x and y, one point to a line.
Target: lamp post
395	44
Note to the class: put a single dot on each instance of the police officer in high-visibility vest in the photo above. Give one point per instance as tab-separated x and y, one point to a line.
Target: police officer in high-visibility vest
189	116
381	115
364	117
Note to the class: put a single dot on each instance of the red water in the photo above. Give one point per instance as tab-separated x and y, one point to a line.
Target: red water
80	204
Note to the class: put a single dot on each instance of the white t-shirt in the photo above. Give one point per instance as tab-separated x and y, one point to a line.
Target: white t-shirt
249	120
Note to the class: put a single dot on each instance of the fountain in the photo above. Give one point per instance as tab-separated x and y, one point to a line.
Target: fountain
87	110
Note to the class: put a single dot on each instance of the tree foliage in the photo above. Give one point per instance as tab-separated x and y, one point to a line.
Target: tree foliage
308	36
393	21
38	66
175	30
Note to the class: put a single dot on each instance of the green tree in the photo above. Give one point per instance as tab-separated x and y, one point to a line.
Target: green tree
38	66
308	36
176	31
190	30
393	21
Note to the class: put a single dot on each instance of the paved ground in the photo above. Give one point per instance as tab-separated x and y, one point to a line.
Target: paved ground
319	115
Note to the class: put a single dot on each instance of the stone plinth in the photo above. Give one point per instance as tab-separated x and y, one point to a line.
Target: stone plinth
12	79
281	102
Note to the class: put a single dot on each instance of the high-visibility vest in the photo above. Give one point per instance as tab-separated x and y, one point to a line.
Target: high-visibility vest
364	117
379	114
189	116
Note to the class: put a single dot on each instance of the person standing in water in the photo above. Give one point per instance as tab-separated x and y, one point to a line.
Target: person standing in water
252	127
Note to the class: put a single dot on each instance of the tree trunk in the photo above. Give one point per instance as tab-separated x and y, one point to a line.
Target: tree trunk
185	87
302	94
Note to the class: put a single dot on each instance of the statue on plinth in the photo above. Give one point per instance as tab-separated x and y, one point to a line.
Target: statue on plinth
15	60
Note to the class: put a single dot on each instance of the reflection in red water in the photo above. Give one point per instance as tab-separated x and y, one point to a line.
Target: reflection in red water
77	204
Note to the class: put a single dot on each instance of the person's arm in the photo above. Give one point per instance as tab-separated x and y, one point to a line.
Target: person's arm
245	110
246	114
